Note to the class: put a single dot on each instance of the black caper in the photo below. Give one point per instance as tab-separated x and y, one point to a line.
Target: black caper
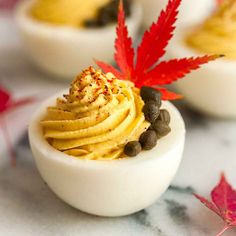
132	149
90	23
164	116
150	128
161	128
108	14
127	7
150	94
111	9
151	111
103	19
148	139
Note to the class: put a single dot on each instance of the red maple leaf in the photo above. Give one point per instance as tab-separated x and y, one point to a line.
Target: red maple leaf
7	104
223	203
146	70
124	55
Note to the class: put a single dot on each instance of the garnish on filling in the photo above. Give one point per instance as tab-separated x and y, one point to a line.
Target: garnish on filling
218	33
97	118
77	13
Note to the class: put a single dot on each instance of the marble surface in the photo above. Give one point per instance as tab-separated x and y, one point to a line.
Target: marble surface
28	207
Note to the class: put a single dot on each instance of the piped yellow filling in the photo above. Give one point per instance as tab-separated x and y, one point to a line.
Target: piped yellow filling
65	12
218	34
97	118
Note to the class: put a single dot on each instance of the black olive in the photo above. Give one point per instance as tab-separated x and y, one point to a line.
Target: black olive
150	94
151	111
148	139
132	149
161	128
164	116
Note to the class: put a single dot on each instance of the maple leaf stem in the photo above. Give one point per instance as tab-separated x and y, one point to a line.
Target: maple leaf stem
226	227
8	141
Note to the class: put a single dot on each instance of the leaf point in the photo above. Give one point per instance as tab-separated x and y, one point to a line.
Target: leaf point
226	227
121	5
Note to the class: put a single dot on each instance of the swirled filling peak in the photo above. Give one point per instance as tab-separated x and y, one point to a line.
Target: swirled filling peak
217	34
97	118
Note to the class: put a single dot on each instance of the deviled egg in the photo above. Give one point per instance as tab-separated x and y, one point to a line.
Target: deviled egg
112	144
62	37
93	149
210	89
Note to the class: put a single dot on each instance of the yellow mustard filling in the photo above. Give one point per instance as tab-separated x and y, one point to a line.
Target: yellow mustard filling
218	34
97	118
66	12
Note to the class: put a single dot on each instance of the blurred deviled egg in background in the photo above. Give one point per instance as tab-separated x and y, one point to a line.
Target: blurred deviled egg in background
212	89
191	11
62	37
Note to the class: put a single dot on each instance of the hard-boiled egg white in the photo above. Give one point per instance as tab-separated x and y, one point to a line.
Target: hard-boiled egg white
109	188
211	89
190	11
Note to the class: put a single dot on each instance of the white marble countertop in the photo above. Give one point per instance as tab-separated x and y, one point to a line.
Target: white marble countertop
28	207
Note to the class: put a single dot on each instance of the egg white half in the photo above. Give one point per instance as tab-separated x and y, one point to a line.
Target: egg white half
210	89
109	188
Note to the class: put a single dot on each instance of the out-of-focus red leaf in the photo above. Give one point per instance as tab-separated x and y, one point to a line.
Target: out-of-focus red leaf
4	99
7	103
223	203
7	4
